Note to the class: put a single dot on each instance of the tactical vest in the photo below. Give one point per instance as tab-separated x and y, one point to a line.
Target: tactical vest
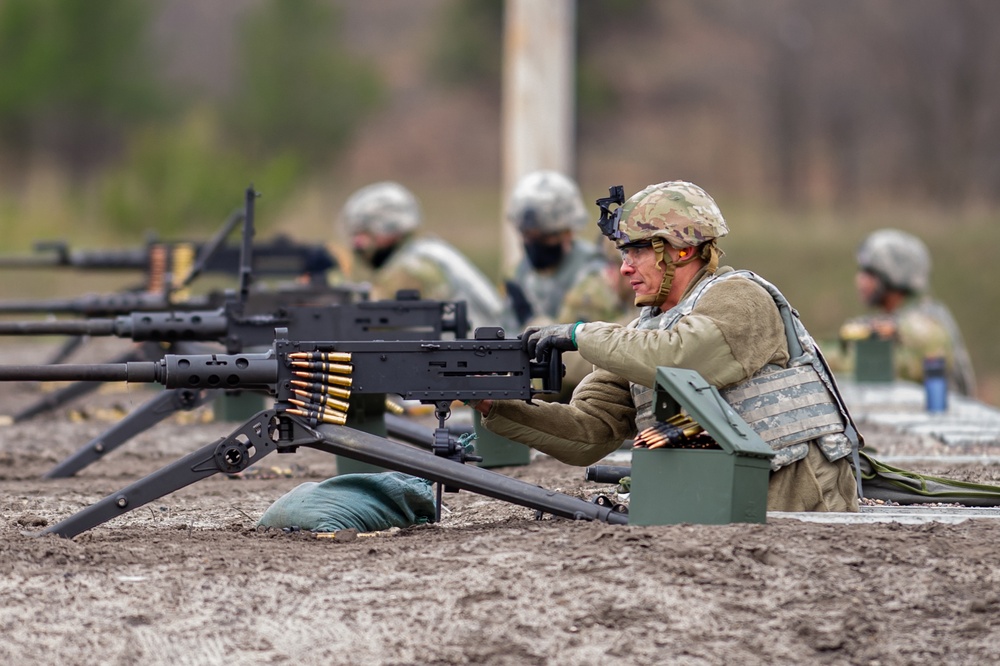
485	306
546	292
788	407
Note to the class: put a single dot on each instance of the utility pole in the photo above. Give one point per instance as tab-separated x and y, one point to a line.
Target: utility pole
538	98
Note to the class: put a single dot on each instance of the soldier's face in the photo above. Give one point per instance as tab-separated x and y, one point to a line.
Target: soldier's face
368	246
869	288
644	275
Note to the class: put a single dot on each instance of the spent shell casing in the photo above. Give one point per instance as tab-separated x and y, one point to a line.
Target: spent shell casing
336	380
323	366
338	357
335	391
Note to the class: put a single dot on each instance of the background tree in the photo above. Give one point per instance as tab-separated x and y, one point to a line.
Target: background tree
73	77
296	90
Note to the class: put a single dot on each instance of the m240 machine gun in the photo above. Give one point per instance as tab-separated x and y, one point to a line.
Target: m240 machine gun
310	382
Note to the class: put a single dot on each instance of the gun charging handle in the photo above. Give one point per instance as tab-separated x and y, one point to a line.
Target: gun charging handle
550	370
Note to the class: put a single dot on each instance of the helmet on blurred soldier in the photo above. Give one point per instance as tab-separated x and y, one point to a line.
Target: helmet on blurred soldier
899	259
547	202
384	208
679	212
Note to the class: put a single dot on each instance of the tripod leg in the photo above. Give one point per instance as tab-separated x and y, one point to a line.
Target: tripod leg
67	348
244	446
343	441
148	414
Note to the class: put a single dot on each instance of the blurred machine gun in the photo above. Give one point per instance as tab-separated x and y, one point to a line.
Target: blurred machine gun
312	382
171	265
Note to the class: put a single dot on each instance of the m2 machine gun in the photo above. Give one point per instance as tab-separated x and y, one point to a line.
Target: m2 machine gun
280	257
311	383
232	326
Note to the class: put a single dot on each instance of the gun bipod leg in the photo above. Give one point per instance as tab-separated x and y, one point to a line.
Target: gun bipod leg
151	412
246	445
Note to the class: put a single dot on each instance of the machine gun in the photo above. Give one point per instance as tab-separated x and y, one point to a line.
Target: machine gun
310	382
235	327
245	317
368	320
229	327
259	302
280	257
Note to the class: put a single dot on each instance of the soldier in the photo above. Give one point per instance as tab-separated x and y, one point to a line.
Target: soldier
732	326
383	219
894	278
560	276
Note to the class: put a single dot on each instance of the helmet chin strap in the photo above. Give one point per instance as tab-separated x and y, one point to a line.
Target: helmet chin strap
709	252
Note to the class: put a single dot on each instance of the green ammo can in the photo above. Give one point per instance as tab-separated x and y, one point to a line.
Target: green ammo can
497	451
873	361
366	412
239	405
704	486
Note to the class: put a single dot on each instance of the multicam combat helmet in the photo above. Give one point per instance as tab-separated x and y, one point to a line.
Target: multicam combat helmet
899	259
385	208
674	212
546	201
679	212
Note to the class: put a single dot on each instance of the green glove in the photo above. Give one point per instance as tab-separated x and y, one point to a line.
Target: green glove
538	341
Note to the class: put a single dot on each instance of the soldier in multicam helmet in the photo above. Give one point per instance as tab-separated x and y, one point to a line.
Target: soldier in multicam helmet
731	326
894	278
382	220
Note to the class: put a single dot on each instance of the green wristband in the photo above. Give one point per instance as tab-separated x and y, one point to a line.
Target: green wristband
572	334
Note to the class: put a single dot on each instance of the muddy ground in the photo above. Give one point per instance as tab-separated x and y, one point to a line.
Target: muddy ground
188	579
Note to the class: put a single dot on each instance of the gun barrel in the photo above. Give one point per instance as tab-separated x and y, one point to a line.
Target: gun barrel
95	305
607	473
84	327
14	261
51	255
135	371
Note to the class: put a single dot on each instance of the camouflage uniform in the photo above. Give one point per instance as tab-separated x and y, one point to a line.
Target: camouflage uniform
732	327
429	265
921	327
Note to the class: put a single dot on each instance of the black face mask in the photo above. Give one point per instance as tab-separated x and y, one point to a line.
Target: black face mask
543	255
375	258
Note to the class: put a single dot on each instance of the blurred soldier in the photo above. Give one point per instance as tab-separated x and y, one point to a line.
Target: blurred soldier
894	278
383	219
560	276
732	326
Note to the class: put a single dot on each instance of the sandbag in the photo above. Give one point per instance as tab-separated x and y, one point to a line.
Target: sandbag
364	502
892	484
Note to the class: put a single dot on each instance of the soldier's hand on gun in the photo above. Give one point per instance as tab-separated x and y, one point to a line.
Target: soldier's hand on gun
538	340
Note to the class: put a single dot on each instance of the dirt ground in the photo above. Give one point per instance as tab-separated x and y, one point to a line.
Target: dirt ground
188	579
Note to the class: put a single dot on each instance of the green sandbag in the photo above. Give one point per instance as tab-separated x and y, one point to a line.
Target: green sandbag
363	502
892	484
